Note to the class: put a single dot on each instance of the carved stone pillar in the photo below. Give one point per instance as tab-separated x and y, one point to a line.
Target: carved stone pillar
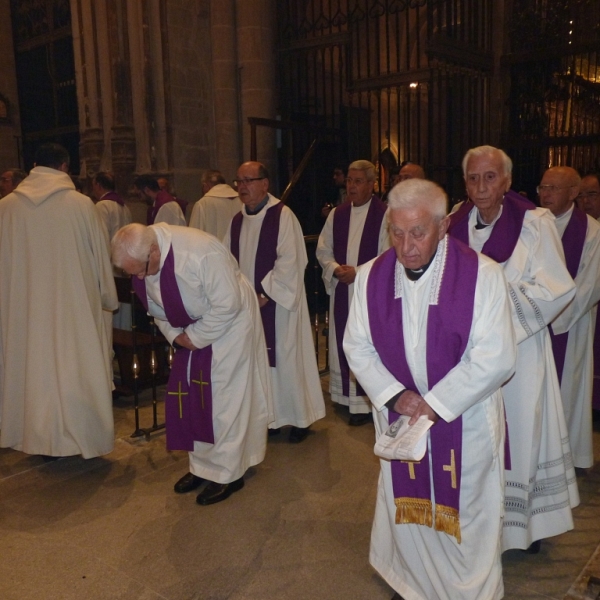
257	64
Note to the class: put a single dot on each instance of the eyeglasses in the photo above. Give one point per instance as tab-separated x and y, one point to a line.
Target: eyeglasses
590	195
247	181
139	275
552	189
356	181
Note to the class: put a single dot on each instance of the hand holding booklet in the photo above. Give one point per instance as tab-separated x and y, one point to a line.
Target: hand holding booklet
401	441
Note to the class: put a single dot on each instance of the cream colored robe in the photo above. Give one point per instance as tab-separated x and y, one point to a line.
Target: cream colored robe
55	280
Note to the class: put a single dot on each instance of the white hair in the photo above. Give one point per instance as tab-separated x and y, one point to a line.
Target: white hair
366	166
132	241
487	150
419	193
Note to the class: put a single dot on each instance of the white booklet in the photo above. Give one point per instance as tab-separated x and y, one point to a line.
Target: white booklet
401	441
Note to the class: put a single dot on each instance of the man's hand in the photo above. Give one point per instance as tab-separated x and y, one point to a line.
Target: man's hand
326	210
183	340
345	273
414	405
262	300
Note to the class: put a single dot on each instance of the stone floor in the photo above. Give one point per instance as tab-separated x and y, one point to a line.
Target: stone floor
112	528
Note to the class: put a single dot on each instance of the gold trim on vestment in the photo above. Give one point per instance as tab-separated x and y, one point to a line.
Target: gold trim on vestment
447	520
414	510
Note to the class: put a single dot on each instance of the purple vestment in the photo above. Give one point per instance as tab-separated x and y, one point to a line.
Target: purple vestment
368	249
188	408
573	240
266	255
114	197
507	229
448	328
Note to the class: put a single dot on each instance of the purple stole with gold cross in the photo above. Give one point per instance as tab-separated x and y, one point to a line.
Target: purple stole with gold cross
368	249
573	240
188	402
266	255
448	328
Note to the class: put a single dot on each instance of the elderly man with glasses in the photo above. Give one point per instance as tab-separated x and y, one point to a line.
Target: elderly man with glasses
267	241
573	330
218	390
496	221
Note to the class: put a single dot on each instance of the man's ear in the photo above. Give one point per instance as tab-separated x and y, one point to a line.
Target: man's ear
64	168
443	227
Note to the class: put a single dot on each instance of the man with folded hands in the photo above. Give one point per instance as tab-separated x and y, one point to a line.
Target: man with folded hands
429	333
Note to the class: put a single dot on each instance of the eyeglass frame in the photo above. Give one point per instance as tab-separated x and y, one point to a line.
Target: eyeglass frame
238	182
552	189
590	194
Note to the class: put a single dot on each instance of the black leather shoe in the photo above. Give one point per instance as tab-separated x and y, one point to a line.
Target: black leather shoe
273	432
188	483
534	548
360	419
217	492
298	434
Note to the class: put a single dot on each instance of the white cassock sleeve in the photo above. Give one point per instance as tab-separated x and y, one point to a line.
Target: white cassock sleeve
285	282
100	247
214	278
587	282
487	363
325	253
539	284
198	218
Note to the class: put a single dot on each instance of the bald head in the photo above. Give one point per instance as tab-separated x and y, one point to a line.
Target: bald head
411	171
558	189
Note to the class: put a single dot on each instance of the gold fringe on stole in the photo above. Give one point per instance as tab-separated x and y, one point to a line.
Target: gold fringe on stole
414	510
447	520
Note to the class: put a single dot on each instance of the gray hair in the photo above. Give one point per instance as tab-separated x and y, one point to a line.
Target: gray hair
366	166
132	241
419	193
486	150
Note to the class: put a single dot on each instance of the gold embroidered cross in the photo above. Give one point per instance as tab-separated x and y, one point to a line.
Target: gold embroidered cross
411	467
201	383
179	393
452	468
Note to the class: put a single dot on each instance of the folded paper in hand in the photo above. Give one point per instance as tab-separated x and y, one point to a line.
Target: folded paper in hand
401	441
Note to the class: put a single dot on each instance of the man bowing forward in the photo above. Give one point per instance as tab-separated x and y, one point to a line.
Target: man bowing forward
219	388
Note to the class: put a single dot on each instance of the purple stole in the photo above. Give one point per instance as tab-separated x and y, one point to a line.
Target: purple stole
573	240
507	229
114	197
448	328
161	199
368	249
188	408
266	255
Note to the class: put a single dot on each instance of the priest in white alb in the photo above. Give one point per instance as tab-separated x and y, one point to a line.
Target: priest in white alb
540	480
219	204
55	282
429	333
354	233
572	331
266	240
219	389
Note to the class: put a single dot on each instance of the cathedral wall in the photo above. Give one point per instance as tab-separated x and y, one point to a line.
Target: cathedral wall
9	129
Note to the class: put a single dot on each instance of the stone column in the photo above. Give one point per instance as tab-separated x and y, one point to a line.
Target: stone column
257	68
229	154
139	71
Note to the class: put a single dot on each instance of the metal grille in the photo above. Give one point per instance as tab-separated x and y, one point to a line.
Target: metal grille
402	79
555	87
